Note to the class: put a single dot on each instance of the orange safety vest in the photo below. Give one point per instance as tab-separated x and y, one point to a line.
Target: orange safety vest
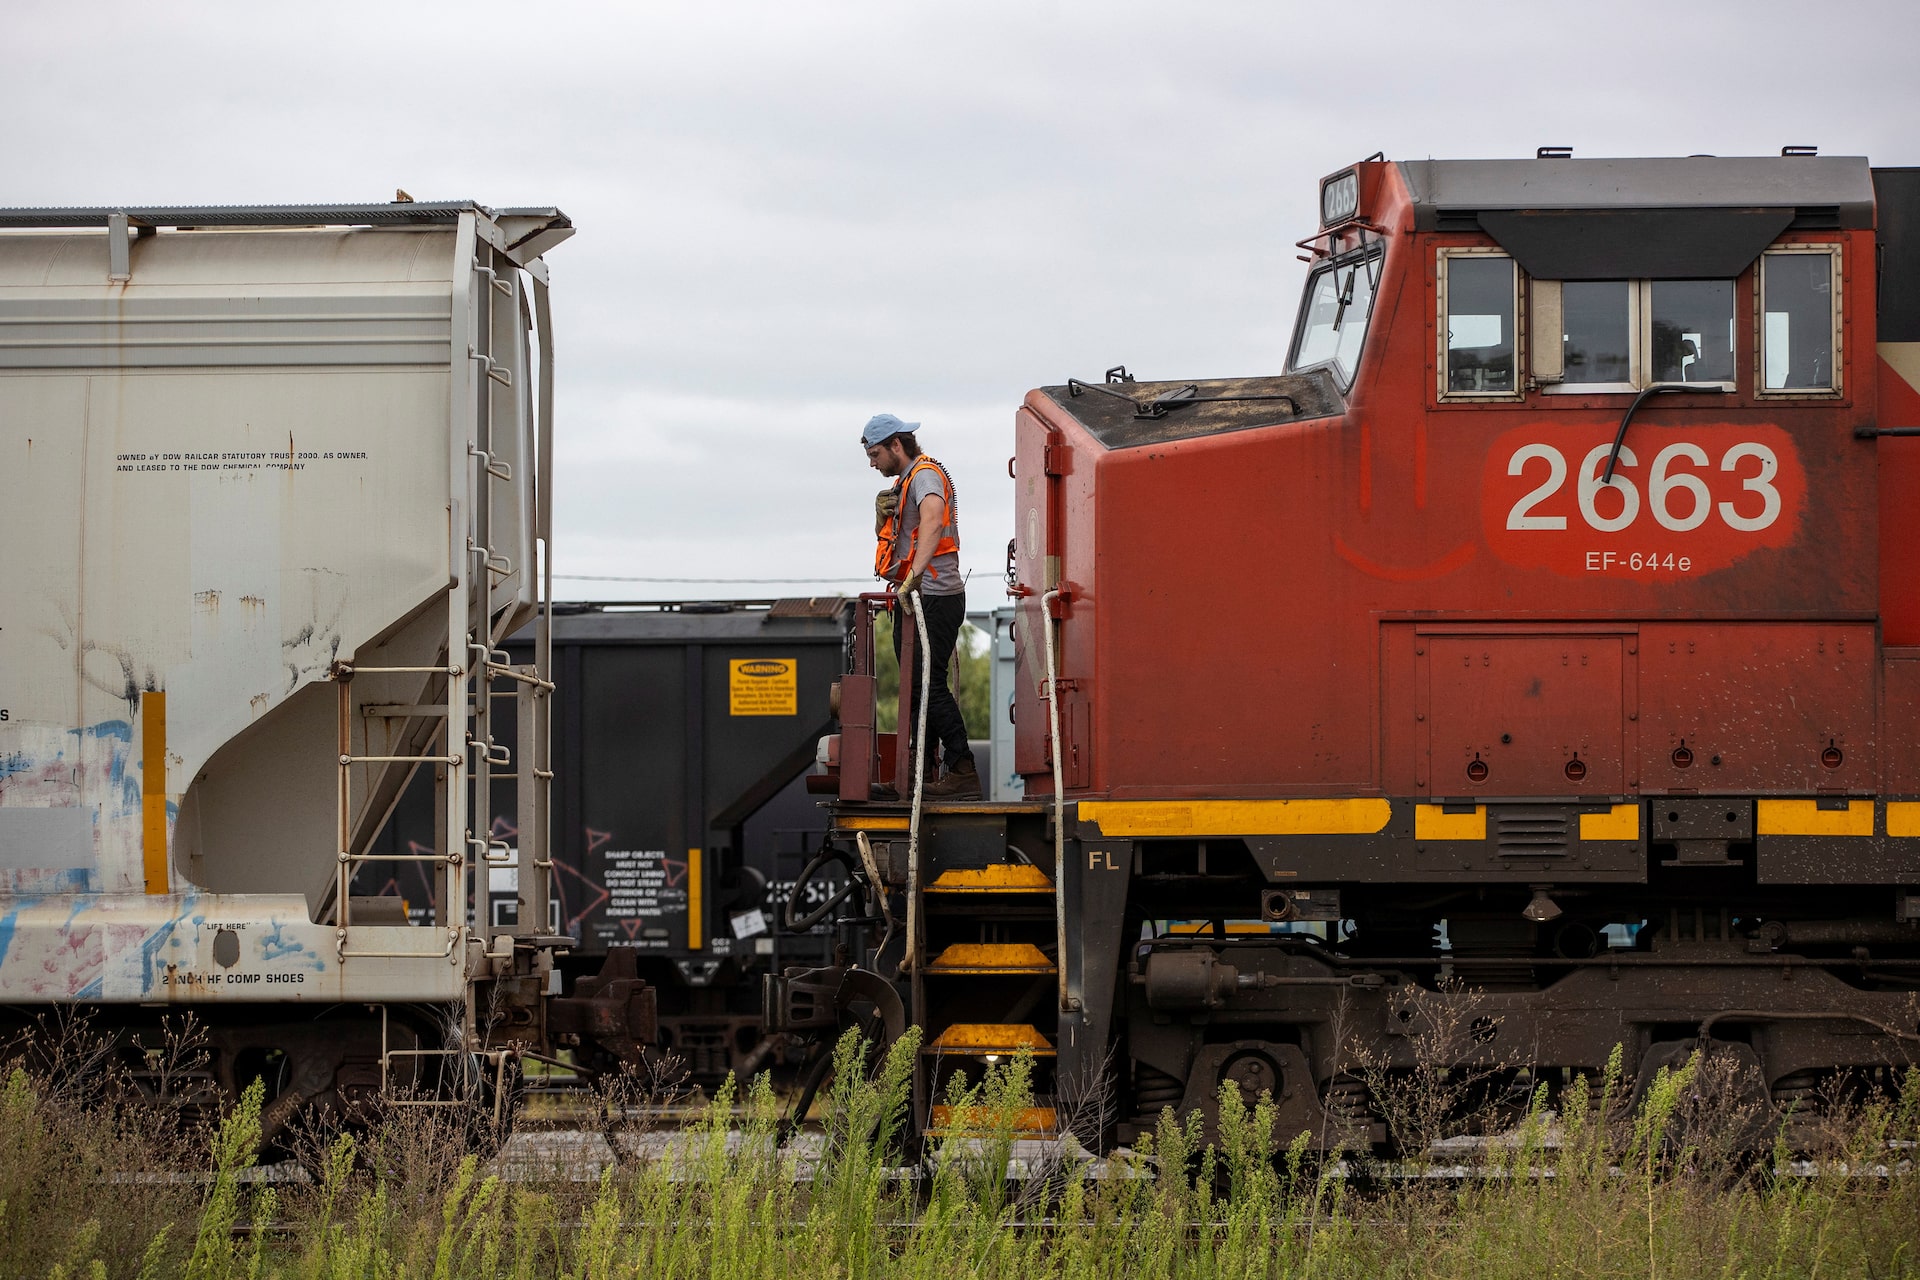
888	565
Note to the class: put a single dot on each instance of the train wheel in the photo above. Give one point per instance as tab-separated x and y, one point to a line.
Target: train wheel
1725	1113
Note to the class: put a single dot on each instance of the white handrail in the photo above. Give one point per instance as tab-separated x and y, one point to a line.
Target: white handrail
1059	799
912	601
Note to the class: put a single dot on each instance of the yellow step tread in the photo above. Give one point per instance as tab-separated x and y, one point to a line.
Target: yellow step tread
983	1121
992	1037
992	957
1005	877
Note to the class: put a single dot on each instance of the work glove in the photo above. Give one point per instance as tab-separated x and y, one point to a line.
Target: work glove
885	503
910	583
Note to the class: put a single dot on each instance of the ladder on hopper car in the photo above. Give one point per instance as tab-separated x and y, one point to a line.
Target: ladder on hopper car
502	296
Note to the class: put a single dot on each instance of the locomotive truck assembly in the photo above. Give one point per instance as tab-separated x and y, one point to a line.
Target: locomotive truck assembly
1532	668
1537	657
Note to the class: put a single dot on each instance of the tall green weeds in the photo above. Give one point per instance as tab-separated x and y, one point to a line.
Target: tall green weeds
1606	1177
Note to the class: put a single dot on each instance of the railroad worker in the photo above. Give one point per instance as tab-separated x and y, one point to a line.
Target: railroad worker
917	523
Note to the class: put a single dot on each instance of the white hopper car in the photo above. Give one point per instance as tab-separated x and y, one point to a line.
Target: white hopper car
276	484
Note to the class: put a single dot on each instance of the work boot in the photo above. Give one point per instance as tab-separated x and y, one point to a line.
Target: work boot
962	782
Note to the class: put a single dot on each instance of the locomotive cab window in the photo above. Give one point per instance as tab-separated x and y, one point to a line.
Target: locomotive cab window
1596	346
1623	335
1799	321
1692	330
1334	314
1479	309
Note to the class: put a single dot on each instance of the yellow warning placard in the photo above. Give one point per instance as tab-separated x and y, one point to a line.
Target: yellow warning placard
763	687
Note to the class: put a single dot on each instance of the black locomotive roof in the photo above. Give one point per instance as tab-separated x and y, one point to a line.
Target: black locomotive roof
716	622
1702	217
1125	414
1841	186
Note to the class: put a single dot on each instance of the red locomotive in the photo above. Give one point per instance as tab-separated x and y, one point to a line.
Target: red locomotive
1540	652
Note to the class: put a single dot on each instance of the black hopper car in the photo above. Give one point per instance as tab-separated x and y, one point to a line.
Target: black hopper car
681	735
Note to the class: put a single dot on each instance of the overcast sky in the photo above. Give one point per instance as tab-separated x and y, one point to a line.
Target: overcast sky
792	216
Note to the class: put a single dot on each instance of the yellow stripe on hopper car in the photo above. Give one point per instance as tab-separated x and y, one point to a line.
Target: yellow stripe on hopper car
1622	822
153	790
1433	822
1362	817
1807	818
1903	818
696	922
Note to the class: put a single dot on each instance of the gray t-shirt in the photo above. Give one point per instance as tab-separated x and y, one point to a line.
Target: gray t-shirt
943	571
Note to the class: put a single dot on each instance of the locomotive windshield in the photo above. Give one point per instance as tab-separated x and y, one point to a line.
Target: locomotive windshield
1334	315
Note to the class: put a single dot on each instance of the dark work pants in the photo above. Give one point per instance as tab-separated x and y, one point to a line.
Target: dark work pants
944	723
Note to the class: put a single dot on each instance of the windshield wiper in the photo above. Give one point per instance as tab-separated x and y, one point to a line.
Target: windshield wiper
1346	298
1178	398
1653	389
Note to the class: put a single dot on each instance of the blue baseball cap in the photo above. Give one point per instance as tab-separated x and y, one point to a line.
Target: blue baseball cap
882	427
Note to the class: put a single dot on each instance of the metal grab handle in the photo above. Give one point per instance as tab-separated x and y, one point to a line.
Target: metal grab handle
503	283
504	672
450	859
502	376
498	470
495	752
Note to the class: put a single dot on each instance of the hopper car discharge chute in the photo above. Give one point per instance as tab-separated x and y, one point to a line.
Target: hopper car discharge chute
1532	667
278	486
